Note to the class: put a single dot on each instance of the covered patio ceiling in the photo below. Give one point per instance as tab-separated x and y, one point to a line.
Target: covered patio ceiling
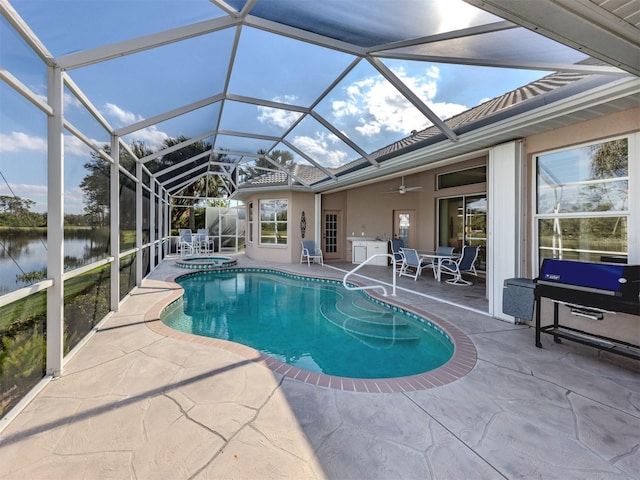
347	90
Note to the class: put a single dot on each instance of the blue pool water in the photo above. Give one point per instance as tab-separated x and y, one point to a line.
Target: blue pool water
316	325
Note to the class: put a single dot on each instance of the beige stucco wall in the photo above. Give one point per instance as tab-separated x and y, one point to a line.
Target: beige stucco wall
289	253
600	128
368	211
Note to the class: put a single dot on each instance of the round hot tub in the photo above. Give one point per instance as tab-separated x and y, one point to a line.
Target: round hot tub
206	263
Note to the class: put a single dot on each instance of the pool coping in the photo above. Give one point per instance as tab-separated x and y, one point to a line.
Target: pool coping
461	362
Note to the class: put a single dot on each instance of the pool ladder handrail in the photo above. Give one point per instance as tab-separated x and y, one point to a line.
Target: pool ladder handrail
370	287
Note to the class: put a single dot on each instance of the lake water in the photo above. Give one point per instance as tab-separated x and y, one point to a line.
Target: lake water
23	253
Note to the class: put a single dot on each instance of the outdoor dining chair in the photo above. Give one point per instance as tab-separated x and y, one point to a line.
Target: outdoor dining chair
185	243
397	244
465	264
412	265
202	240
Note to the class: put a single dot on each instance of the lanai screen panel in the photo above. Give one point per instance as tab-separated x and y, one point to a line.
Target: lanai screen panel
259	120
371	23
281	69
515	46
18	58
339	83
370	110
68	26
153	82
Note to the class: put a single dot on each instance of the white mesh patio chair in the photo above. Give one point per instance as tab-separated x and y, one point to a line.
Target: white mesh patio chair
311	253
185	243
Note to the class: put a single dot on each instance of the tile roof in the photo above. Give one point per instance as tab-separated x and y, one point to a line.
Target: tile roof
307	173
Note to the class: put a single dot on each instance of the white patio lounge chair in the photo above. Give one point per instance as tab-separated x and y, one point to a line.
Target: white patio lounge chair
311	253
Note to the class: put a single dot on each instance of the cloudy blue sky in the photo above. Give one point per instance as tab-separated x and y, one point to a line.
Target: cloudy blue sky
363	106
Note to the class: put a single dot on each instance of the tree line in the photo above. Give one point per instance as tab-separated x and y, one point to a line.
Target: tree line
16	211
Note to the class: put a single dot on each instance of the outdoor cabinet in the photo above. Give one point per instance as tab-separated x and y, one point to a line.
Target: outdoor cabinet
363	249
359	252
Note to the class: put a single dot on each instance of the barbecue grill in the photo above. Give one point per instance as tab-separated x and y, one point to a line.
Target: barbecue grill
591	291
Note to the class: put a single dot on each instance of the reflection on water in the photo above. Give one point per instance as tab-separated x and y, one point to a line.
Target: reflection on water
23	252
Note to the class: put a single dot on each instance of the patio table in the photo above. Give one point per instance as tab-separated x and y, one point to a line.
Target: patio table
437	260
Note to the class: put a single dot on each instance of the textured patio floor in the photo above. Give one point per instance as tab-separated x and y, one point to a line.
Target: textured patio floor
137	404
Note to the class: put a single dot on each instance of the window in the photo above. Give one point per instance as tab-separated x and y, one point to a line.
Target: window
273	222
250	218
468	176
582	202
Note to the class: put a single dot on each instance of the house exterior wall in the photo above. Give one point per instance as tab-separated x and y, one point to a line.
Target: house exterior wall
368	210
297	203
620	326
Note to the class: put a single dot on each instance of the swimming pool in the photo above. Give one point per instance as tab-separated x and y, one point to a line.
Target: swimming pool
313	324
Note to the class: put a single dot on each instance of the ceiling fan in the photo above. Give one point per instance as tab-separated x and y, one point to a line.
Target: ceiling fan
402	189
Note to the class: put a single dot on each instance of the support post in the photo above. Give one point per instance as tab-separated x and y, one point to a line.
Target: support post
55	223
114	201
139	187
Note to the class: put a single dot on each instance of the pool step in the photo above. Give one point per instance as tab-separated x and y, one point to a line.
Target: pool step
388	331
368	312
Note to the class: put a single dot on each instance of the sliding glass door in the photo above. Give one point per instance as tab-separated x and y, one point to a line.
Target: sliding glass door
463	221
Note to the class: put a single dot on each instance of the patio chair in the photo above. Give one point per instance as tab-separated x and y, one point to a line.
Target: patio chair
202	240
464	264
185	243
412	265
433	263
310	253
397	244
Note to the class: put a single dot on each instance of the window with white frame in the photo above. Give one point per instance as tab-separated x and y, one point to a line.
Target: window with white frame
273	222
250	221
582	205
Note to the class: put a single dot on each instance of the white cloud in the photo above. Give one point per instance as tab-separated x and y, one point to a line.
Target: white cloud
74	200
19	141
73	146
375	106
73	197
150	136
37	193
279	117
319	149
70	100
342	108
121	116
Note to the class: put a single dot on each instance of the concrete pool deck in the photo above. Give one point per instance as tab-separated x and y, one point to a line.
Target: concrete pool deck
133	403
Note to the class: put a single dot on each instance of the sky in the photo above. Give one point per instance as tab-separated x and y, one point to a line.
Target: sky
364	106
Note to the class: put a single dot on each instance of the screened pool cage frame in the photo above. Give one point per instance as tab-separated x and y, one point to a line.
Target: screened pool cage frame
156	248
153	199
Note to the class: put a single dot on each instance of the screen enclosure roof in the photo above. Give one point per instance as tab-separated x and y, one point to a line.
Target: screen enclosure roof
315	94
